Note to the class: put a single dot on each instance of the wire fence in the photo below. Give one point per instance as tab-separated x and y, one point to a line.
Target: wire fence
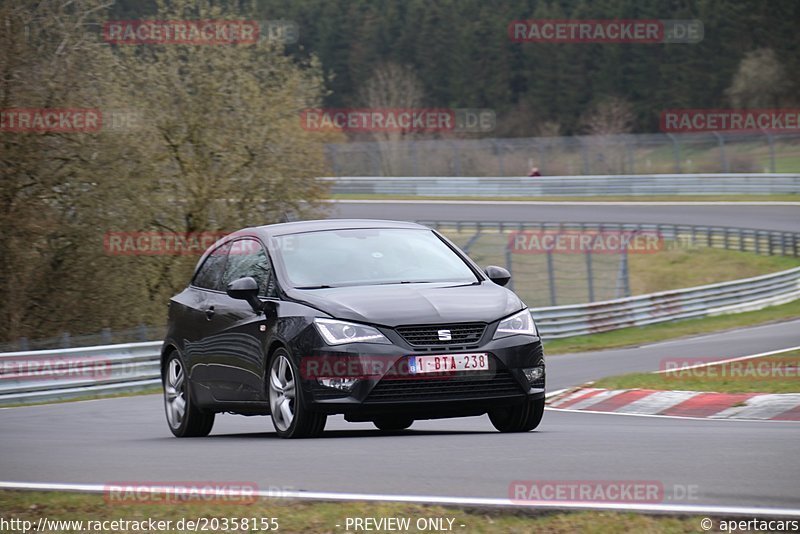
715	152
557	264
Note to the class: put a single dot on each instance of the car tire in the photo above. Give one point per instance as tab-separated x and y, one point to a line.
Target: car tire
393	423
184	418
521	418
288	409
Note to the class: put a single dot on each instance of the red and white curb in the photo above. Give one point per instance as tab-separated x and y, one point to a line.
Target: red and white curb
696	404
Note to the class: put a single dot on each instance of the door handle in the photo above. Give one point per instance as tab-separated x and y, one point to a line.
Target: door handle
210	312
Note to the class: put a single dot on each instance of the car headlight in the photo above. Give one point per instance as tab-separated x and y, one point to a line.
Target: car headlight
519	323
337	332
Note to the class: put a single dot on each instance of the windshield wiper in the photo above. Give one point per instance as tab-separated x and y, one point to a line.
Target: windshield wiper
321	286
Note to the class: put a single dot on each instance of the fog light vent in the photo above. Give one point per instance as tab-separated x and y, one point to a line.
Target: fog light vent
344	384
534	373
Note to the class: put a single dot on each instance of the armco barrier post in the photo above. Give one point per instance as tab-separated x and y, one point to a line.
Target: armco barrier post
508	266
589	274
551	278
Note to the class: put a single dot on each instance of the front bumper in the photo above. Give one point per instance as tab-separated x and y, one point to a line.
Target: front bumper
388	389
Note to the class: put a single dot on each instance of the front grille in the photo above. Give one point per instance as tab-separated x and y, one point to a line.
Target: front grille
429	335
470	385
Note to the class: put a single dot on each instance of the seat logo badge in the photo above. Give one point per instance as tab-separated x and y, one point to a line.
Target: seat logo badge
444	335
263	328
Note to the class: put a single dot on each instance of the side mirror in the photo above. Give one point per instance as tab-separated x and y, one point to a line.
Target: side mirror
498	275
245	289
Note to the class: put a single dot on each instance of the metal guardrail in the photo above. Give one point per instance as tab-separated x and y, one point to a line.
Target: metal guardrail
60	374
704	301
572	186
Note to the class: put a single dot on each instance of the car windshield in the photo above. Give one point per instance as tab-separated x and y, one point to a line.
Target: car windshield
371	256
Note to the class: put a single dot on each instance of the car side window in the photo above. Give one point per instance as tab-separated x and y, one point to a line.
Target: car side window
248	258
210	273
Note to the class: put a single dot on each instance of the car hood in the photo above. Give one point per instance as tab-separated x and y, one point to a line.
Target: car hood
402	304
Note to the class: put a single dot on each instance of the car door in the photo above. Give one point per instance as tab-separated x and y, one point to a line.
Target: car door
239	332
197	305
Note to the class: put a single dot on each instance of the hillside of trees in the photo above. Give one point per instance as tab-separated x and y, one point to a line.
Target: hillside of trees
461	52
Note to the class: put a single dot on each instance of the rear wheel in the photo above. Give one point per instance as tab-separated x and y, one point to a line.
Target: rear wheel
184	418
393	423
290	416
520	418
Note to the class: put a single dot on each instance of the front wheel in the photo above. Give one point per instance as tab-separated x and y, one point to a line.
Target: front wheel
185	420
520	418
290	416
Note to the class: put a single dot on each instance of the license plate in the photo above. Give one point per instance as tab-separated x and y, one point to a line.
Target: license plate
446	363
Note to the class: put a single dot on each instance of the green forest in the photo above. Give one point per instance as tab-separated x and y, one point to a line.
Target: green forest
461	54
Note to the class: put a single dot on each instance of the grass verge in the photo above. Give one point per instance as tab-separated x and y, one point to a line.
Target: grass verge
777	373
676	268
323	517
661	332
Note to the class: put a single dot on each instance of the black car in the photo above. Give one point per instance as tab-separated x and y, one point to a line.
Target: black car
381	321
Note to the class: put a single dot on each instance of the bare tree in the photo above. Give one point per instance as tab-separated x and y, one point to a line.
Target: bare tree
220	146
760	81
393	86
229	141
609	116
59	189
603	149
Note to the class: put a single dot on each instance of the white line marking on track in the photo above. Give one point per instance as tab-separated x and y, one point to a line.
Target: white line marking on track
569	202
555	393
458	501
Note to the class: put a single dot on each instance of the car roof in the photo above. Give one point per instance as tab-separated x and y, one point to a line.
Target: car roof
272	230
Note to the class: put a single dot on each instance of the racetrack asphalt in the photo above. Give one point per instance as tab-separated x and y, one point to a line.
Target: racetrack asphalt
739	215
